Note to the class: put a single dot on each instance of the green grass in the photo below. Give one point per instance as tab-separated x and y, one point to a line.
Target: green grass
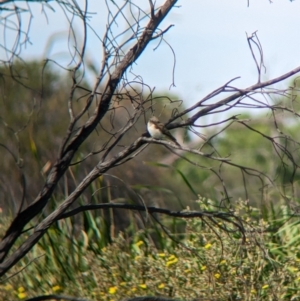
208	262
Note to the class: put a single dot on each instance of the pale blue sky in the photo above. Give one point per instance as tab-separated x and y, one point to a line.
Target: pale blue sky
209	39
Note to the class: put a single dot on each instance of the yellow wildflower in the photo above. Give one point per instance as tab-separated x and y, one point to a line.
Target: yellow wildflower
161	286
21	289
143	286
265	286
56	288
139	243
112	290
171	262
171	257
217	275
208	246
161	254
22	295
203	268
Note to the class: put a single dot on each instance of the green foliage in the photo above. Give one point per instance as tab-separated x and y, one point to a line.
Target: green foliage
254	143
33	122
30	97
34	127
87	255
206	263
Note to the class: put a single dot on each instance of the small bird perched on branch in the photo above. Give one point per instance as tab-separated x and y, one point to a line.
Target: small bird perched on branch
157	130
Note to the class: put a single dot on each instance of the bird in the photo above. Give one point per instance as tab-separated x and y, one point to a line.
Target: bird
157	130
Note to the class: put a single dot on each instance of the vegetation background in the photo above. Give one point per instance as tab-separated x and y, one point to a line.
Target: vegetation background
230	229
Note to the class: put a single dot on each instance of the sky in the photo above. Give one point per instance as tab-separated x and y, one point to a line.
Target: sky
208	38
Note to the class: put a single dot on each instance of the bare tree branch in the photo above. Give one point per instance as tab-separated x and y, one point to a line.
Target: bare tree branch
125	103
68	150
